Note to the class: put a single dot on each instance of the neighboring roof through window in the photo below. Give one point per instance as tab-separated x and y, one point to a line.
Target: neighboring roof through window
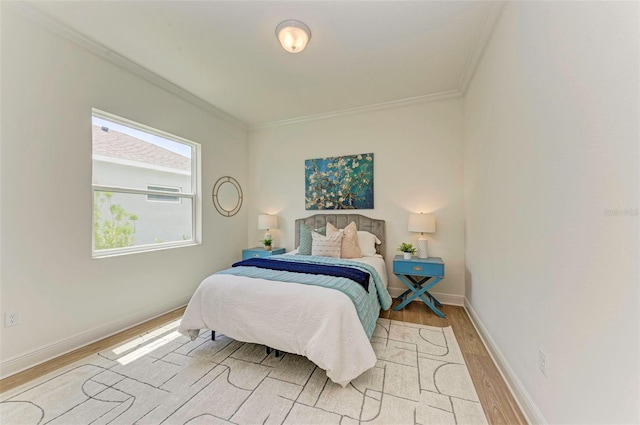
114	144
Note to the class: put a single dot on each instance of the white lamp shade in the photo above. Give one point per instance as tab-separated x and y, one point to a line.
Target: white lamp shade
266	221
422	223
293	35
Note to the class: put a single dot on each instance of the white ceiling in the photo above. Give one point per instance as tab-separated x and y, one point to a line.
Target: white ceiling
361	54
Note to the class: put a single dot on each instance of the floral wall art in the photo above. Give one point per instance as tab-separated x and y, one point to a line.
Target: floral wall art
339	183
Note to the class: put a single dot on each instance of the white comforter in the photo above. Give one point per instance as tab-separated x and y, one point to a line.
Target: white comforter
316	322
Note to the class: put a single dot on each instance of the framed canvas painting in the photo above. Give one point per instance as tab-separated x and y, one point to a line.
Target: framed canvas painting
339	183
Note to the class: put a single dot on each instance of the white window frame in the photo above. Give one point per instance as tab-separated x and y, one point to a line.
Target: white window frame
195	195
169	201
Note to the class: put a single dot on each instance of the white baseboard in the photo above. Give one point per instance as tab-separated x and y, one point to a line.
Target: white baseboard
525	402
43	354
443	298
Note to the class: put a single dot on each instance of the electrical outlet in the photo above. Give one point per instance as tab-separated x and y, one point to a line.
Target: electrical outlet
11	319
543	361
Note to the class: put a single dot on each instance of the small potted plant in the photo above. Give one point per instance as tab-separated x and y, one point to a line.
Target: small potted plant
267	243
408	250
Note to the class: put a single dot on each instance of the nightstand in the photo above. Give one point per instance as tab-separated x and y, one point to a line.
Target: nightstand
419	275
259	252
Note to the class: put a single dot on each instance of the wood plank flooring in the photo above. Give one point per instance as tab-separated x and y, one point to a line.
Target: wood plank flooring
497	402
53	364
496	399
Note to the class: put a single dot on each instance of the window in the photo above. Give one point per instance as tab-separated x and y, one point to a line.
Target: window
163	198
129	214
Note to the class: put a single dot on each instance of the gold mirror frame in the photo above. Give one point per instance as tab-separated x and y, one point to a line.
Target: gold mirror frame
216	200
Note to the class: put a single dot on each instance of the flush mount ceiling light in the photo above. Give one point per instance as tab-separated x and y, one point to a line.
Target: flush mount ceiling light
293	35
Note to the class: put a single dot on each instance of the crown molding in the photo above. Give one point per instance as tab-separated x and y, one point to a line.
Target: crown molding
450	94
231	123
234	124
491	19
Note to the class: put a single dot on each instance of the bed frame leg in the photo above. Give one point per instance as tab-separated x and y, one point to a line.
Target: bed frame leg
213	335
269	350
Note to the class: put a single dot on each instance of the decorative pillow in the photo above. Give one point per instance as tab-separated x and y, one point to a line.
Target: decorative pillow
350	247
368	242
326	246
331	229
305	238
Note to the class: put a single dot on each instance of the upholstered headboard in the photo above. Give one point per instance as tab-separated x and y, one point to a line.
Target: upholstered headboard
341	221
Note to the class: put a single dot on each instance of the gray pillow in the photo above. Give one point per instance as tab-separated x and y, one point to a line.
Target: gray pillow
306	240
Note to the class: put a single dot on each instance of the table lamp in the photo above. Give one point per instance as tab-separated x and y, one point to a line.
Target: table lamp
266	221
422	223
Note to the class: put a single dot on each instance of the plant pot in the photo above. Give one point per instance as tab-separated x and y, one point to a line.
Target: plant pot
267	247
407	256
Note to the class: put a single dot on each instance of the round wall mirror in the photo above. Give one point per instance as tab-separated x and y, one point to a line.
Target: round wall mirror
227	196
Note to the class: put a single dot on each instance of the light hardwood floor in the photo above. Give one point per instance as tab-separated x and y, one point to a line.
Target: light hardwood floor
497	402
51	365
499	405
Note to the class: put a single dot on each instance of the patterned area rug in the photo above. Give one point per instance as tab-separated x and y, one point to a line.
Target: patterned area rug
164	378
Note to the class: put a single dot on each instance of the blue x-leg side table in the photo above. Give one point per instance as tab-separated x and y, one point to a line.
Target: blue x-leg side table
419	275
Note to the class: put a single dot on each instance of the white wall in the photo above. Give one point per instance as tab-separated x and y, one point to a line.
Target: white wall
417	167
551	144
49	86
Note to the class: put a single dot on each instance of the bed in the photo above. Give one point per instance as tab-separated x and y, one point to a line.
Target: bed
289	312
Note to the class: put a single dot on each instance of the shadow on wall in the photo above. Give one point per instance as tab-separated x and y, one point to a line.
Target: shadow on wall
468	284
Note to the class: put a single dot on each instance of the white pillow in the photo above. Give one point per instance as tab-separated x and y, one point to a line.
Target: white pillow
326	246
368	242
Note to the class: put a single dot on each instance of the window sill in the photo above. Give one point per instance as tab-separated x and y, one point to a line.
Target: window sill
107	253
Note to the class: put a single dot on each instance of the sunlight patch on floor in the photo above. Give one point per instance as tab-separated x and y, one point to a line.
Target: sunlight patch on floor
147	342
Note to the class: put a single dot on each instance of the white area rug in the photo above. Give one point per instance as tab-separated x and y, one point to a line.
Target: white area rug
164	378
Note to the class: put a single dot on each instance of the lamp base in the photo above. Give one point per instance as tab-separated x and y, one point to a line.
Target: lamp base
422	248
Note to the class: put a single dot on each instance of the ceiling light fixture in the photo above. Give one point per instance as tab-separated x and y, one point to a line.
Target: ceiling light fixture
293	35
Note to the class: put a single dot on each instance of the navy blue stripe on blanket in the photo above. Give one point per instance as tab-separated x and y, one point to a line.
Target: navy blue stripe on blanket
358	276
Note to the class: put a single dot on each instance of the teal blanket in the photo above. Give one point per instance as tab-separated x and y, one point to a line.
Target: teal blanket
367	304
